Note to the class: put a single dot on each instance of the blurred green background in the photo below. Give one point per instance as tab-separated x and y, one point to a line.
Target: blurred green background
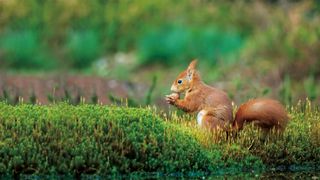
247	48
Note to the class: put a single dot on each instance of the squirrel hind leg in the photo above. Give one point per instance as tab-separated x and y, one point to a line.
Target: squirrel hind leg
213	123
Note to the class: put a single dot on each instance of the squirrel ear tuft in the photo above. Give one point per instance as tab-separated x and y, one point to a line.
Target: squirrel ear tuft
190	73
193	64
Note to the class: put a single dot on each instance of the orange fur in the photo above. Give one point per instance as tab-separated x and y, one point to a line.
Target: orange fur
265	113
199	96
216	108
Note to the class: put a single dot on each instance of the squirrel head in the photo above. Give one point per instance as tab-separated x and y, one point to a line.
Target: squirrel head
186	79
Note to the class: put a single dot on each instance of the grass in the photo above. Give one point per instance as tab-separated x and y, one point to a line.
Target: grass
63	139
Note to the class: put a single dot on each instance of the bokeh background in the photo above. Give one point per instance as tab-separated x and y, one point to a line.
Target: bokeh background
101	51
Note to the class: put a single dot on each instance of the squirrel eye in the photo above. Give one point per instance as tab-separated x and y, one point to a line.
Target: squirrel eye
179	81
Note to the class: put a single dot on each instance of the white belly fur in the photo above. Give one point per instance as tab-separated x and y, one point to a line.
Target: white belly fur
200	117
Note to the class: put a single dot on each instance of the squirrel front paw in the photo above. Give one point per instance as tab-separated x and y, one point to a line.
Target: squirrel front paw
172	98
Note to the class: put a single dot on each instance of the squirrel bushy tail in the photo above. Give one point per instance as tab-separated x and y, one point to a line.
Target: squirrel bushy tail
265	113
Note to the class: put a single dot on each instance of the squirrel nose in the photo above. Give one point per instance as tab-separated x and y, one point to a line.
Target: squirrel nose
173	88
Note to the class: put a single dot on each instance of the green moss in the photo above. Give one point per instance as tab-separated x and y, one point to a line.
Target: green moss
97	139
107	140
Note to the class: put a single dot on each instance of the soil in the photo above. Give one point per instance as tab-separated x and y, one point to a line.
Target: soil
44	90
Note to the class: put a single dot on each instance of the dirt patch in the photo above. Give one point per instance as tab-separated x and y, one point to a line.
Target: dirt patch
45	90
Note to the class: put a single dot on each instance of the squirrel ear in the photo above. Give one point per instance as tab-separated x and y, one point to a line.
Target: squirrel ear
190	73
191	69
193	64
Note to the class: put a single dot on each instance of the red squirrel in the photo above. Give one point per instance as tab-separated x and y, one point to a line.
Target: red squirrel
214	106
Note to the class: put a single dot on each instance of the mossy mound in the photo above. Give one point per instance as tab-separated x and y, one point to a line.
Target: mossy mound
93	139
63	139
